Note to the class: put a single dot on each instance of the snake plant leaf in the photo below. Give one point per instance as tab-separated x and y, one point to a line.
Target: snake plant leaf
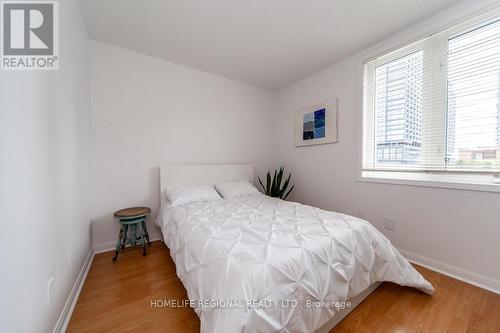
274	190
268	184
285	186
278	180
288	192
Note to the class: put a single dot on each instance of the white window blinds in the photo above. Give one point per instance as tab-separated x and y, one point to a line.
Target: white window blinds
434	105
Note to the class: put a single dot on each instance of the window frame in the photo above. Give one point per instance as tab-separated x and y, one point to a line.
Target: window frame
481	180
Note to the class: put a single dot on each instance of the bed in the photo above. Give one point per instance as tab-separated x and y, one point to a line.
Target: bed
260	264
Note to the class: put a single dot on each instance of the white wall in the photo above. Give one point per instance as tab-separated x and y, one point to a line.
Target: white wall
147	111
456	227
44	181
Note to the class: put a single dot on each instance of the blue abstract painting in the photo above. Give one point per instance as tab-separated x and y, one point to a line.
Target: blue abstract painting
314	125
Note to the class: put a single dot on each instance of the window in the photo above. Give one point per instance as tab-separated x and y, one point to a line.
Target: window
434	105
473	134
398	111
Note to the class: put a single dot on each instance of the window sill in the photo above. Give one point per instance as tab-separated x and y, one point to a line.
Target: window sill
475	182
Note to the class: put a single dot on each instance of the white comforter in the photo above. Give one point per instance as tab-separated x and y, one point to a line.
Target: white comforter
270	252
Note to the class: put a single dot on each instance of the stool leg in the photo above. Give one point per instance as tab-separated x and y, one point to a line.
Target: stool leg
124	239
146	232
143	242
118	244
133	231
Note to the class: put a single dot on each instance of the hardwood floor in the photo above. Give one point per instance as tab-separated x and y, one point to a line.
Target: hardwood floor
117	297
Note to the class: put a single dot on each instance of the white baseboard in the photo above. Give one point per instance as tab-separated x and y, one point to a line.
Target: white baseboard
458	273
62	322
110	246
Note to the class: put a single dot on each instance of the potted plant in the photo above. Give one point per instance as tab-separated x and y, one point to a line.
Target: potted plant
275	187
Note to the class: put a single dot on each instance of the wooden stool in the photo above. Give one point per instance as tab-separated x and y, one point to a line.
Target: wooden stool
132	217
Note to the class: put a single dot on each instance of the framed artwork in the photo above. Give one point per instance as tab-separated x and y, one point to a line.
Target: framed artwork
316	124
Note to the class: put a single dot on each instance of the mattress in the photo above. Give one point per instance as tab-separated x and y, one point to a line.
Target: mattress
260	264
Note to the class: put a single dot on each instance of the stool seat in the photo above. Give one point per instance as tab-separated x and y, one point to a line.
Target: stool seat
132	212
133	218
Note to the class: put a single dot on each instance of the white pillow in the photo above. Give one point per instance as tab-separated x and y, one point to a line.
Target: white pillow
183	195
236	189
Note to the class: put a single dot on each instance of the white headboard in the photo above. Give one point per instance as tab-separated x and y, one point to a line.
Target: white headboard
208	174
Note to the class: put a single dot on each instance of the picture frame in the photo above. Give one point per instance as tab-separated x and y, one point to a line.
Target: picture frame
317	124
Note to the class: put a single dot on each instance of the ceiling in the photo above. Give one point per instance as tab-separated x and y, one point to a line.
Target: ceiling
267	43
